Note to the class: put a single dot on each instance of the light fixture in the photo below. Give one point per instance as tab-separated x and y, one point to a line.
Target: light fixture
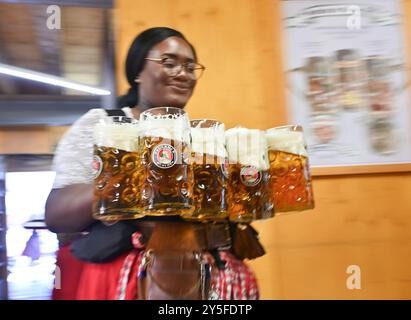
49	79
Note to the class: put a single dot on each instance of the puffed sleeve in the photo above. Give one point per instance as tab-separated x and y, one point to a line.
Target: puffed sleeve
72	161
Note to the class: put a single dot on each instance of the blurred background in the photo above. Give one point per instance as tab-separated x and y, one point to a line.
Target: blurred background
361	218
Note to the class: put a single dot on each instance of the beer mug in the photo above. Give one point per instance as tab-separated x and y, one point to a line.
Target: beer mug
210	165
289	169
117	170
165	146
249	189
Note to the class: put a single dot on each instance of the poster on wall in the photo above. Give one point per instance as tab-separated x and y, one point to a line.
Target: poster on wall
347	80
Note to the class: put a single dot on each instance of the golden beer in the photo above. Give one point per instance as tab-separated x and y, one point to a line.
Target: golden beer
250	198
165	146
117	170
168	177
116	188
289	169
210	188
209	161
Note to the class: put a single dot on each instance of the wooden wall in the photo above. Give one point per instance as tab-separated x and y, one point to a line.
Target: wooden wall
362	220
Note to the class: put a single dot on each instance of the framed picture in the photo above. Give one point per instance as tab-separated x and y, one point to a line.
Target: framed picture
348	85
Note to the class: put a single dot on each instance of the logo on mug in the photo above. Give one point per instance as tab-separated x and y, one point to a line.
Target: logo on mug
224	168
97	166
250	176
164	156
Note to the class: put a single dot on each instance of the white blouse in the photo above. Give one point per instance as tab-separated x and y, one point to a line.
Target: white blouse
74	153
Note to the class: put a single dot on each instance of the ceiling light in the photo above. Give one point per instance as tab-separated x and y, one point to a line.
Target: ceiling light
49	79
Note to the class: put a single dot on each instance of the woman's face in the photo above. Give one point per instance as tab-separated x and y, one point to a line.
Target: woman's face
156	88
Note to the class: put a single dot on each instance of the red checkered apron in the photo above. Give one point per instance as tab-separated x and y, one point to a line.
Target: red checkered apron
118	280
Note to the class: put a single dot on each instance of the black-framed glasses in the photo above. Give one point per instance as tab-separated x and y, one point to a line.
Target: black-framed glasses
173	67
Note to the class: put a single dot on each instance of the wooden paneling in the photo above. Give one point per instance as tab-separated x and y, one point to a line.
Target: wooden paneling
82	51
359	220
75	51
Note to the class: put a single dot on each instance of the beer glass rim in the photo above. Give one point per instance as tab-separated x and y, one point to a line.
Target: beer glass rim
206	120
153	110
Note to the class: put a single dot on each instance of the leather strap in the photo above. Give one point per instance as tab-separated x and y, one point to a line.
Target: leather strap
185	236
214	236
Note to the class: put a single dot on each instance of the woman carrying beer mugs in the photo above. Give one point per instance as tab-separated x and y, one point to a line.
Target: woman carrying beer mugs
162	69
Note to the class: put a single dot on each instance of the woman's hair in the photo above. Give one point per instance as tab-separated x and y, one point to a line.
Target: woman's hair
137	53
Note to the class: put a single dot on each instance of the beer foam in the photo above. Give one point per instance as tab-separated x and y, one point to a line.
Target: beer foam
173	129
286	141
208	141
122	136
247	147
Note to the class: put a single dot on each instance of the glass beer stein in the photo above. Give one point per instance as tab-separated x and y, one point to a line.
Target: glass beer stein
250	198
289	169
116	168
165	146
210	165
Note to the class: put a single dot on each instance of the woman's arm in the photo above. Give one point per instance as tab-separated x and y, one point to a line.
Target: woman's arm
69	205
69	209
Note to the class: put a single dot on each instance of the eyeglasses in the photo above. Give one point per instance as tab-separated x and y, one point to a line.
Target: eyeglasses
173	67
